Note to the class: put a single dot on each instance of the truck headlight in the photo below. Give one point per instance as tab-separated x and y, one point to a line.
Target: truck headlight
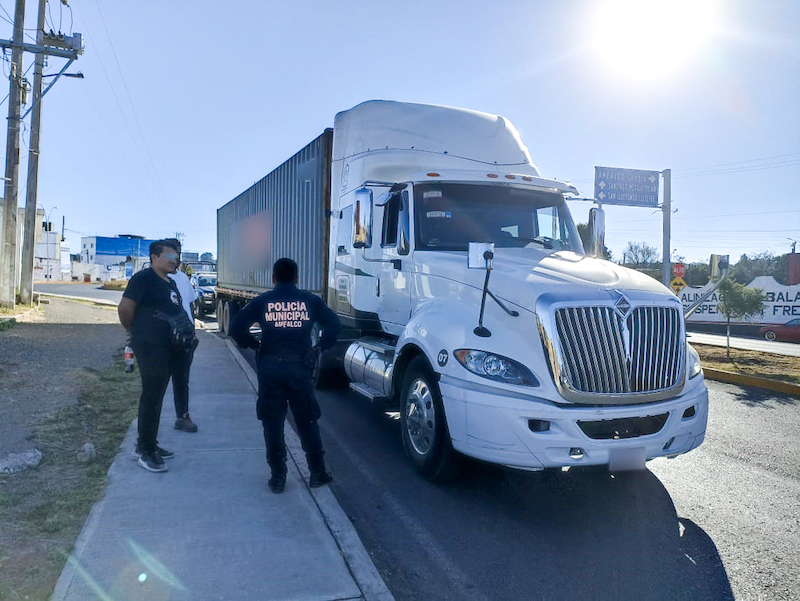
495	367
693	360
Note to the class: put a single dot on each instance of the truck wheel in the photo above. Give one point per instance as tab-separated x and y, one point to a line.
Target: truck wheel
226	312
422	423
230	313
770	335
220	315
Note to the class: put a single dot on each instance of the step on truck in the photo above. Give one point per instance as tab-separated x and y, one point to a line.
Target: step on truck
467	298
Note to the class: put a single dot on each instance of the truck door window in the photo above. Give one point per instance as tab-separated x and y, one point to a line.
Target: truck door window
344	233
404	241
391	214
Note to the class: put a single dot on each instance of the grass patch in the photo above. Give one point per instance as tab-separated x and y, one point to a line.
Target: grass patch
751	363
115	285
42	510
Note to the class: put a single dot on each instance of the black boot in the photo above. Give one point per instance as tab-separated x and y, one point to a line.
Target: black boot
316	465
277	484
318	479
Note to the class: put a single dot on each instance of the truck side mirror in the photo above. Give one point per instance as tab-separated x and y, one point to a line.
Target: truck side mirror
362	230
476	258
597	232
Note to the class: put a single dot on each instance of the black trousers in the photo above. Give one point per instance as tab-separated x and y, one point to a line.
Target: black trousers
282	383
180	383
157	364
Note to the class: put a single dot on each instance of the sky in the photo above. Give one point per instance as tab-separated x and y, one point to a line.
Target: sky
185	105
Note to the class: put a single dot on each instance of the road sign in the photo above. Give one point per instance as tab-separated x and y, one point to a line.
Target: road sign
679	270
631	187
677	285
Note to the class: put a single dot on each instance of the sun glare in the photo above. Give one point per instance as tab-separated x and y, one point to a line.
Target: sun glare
647	39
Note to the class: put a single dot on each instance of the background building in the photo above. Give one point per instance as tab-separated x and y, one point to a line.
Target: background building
106	251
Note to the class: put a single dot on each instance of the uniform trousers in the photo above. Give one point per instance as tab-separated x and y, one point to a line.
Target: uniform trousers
281	383
157	364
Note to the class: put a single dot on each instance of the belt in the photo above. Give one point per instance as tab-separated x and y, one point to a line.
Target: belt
284	358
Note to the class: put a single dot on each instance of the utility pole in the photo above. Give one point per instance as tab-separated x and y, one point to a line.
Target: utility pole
8	252
29	240
63	46
666	266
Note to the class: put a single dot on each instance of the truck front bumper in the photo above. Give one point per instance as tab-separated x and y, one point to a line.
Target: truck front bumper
536	434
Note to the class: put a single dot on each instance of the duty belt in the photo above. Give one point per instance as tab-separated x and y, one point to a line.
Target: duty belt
284	358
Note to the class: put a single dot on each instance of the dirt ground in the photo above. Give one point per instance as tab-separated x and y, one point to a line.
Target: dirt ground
61	385
45	360
752	363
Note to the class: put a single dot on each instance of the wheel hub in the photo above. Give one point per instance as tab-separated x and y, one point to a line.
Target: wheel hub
420	416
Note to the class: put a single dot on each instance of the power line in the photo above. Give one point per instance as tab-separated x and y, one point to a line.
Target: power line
725	168
139	152
133	107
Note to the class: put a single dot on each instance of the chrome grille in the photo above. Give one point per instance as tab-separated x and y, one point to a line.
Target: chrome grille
604	353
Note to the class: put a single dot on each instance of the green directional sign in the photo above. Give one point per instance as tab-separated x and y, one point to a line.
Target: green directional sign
631	187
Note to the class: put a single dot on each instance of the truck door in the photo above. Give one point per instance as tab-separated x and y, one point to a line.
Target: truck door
393	290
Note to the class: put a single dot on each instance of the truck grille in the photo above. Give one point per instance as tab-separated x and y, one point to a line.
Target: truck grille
606	353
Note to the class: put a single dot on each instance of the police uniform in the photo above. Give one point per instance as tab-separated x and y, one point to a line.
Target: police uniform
285	362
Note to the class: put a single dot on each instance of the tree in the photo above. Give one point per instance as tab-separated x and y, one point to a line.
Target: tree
640	254
739	301
206	257
697	274
749	268
583	232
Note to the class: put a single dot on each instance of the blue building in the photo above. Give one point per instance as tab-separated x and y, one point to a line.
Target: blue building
105	251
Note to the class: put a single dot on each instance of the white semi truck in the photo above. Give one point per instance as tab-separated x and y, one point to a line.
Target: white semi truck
467	297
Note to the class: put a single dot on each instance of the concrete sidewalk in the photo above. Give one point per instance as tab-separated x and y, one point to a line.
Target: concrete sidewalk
209	528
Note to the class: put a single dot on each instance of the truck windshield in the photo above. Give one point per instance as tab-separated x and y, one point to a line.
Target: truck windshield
450	216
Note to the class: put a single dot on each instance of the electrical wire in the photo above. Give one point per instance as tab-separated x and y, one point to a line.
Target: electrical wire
160	187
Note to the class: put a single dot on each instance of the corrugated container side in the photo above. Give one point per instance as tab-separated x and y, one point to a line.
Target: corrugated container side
283	215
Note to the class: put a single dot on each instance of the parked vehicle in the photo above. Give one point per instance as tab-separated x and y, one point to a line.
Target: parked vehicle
790	331
468	299
205	284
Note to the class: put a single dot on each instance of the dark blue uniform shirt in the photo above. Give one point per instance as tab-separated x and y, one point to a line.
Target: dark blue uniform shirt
286	315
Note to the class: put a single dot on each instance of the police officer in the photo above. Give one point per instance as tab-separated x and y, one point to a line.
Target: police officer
285	361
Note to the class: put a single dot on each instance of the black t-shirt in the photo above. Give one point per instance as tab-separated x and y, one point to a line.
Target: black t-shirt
151	294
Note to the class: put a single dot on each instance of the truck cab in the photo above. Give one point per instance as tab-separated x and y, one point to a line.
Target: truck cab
473	307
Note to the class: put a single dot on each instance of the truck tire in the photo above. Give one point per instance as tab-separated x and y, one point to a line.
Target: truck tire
223	324
423	426
220	314
230	313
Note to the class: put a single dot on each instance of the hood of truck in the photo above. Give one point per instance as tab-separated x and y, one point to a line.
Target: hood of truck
521	275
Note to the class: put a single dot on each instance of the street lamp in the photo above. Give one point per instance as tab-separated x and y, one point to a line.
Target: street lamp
50	225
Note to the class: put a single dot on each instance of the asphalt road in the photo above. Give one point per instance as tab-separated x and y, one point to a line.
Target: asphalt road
79	290
718	523
750	344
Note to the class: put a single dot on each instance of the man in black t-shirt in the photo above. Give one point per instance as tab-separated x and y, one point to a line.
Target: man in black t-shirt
150	299
285	364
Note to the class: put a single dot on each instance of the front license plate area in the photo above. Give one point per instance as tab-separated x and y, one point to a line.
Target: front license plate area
627	459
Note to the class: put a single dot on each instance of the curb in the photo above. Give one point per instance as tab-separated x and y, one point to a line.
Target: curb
356	557
754	381
96	301
14	318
